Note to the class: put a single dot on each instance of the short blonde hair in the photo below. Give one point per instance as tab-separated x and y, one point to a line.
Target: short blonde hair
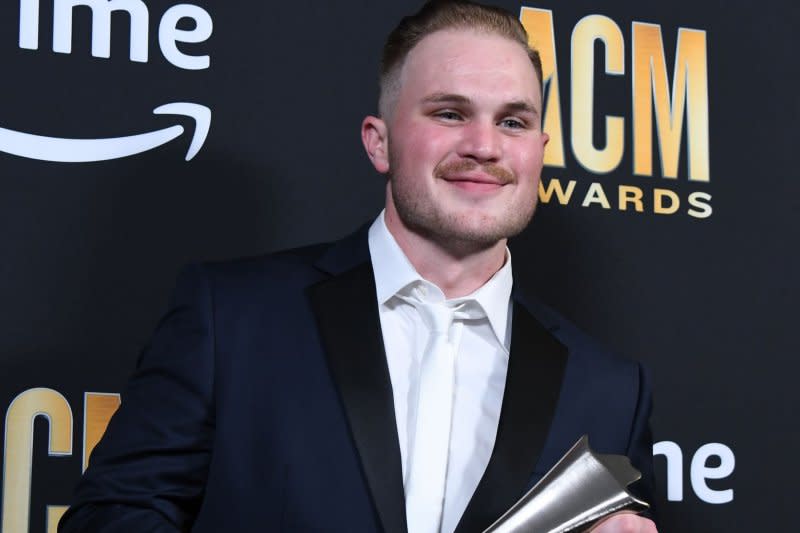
437	15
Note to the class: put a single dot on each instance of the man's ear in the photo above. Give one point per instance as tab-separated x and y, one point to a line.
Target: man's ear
374	135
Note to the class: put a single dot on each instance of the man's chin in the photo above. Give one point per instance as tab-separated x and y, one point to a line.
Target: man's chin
477	234
489	227
464	227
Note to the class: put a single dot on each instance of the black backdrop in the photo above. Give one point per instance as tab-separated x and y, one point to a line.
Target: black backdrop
90	249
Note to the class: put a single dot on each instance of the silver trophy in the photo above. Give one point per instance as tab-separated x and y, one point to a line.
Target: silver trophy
583	488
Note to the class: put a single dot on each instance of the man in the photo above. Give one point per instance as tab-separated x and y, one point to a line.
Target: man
321	390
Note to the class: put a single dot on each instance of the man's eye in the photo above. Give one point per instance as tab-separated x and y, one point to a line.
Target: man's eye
512	123
448	115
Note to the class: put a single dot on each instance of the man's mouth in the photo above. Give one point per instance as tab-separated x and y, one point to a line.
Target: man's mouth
475	182
471	176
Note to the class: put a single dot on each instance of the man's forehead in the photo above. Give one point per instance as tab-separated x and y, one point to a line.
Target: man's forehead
456	61
455	44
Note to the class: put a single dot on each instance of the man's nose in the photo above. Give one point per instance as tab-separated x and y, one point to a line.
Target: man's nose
481	141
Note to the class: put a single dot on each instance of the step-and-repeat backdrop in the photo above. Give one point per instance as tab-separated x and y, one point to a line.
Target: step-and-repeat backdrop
139	135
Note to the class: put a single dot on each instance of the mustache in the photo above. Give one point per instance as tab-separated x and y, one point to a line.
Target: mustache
442	170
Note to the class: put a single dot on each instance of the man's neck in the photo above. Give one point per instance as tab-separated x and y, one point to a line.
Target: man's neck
458	269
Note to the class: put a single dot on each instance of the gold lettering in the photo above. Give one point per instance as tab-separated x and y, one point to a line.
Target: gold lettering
689	95
588	30
630	194
98	408
19	449
554	186
541	36
596	195
658	201
54	514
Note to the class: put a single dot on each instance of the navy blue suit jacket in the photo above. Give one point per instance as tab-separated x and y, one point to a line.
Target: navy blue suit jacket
263	403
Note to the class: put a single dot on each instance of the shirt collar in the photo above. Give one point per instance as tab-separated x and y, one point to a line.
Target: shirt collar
394	273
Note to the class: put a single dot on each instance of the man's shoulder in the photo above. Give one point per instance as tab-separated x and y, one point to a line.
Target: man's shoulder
302	257
583	347
291	268
249	279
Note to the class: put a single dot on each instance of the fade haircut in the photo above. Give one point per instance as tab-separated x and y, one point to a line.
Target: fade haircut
437	15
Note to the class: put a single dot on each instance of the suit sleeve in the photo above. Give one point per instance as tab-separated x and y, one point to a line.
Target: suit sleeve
149	471
640	445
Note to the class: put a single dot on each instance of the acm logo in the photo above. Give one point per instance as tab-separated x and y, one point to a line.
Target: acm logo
18	447
655	107
66	150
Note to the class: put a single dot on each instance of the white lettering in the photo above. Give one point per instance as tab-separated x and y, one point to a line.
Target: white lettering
674	456
700	472
101	26
169	34
29	24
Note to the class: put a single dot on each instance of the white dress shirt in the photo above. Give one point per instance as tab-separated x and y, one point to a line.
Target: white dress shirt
480	372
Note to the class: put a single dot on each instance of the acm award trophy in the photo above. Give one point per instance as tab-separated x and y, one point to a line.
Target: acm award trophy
582	489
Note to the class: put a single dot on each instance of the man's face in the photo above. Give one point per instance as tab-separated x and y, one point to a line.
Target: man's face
465	145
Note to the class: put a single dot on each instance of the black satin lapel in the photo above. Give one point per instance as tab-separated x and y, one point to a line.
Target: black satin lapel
349	324
535	372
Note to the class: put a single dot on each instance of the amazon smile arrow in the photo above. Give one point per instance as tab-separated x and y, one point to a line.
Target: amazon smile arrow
60	150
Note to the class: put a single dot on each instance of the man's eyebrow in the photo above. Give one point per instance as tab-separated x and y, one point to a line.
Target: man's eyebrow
522	106
439	98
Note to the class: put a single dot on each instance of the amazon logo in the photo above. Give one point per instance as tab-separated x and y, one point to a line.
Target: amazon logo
171	32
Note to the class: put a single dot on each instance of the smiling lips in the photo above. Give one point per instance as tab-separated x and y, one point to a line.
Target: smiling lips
472	176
